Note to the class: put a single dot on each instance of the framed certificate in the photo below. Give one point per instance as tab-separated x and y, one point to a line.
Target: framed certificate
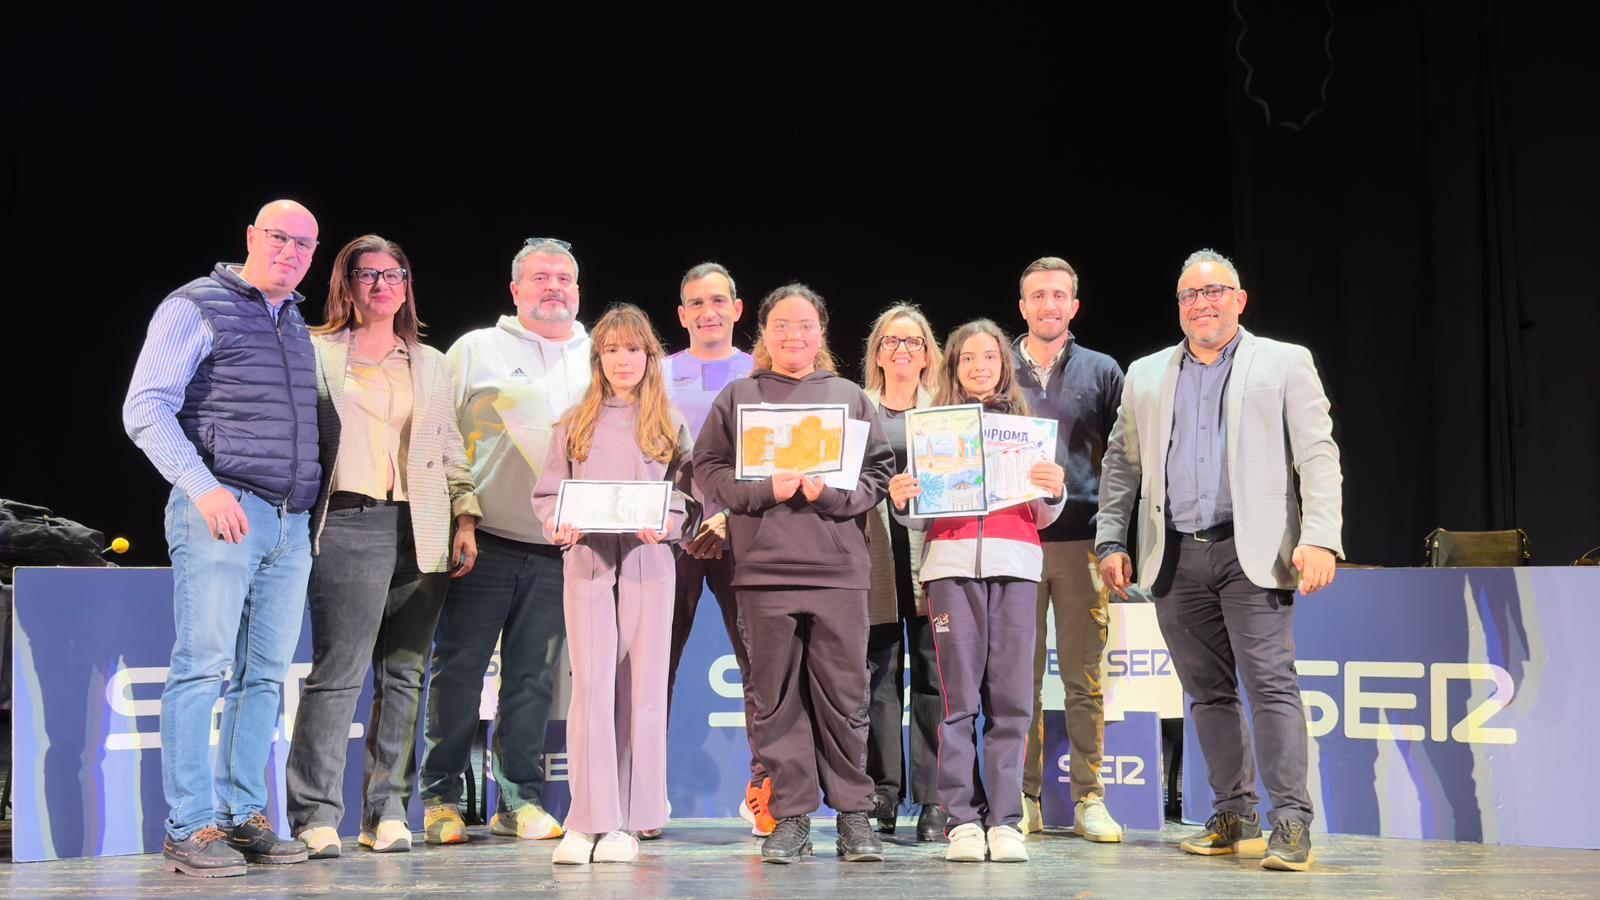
621	507
784	437
945	445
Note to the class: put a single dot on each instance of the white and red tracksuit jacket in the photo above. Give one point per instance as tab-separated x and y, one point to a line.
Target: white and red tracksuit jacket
1002	544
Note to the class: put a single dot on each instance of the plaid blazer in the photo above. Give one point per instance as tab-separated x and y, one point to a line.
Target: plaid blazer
438	480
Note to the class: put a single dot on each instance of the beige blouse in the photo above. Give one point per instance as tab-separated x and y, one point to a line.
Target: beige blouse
376	421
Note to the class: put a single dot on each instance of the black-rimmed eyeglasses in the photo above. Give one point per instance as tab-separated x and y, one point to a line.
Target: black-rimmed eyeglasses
891	343
396	275
1213	292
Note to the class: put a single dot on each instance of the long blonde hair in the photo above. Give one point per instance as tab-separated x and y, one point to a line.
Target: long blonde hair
872	373
763	357
657	436
1008	397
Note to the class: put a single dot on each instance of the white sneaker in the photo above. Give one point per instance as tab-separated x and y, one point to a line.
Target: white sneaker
616	847
1006	844
1092	821
1032	818
322	842
530	823
575	849
966	843
391	836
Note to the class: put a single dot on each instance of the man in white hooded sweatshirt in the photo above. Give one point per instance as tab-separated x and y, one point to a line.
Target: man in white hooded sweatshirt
513	381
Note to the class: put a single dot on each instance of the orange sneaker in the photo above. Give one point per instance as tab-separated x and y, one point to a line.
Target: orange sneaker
755	808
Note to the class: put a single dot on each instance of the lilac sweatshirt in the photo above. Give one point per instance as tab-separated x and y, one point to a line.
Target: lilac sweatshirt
615	456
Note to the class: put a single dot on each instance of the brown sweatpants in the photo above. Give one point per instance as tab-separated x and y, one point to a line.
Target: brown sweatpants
808	681
1068	588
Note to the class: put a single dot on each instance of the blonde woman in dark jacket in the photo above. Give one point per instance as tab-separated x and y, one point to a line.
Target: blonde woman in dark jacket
900	368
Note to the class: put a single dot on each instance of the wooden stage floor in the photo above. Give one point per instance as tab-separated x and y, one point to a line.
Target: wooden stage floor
718	858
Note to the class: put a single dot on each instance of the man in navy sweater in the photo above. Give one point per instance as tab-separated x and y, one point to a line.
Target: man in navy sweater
1080	389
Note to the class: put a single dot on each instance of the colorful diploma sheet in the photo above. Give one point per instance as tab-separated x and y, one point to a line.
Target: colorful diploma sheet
614	506
947	459
1011	446
782	437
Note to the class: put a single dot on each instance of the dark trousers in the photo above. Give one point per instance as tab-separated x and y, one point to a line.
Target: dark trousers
808	678
1221	628
692	574
514	593
983	630
887	647
369	605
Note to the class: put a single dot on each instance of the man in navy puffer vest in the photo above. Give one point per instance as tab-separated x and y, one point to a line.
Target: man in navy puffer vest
224	402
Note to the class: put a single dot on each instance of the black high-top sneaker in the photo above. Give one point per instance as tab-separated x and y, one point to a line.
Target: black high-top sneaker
857	842
789	841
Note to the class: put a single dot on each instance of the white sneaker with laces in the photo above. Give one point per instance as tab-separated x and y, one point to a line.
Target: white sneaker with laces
530	823
966	843
1092	821
1006	844
616	847
575	849
1032	817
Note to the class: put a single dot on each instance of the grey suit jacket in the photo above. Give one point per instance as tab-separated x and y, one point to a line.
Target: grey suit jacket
1278	427
438	480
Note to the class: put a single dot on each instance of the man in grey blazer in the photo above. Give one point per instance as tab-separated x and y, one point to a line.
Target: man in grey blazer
1225	443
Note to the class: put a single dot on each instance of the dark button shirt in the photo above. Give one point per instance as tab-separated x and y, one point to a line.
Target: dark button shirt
1198	493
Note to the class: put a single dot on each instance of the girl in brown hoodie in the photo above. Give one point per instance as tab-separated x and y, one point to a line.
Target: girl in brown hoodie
802	572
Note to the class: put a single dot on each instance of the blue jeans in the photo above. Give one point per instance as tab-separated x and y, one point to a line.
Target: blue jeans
514	593
235	606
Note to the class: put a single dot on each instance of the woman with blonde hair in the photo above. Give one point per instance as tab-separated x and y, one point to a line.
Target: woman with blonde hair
618	592
900	368
394	478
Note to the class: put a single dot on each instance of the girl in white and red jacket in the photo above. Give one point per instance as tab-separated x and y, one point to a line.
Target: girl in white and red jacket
981	575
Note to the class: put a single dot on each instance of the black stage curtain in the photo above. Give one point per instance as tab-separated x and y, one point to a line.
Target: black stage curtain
1421	232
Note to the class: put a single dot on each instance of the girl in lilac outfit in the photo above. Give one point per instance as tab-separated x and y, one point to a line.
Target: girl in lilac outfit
618	593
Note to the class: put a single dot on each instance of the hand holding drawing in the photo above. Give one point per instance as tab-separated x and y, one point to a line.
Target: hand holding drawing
649	536
902	488
784	485
1049	476
564	536
811	488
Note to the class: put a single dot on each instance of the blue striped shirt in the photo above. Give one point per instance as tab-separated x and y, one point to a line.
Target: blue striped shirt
177	342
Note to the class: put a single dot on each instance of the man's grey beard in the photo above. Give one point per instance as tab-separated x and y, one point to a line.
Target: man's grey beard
562	314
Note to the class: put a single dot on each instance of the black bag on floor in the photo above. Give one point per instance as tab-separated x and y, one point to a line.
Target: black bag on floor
30	536
1478	548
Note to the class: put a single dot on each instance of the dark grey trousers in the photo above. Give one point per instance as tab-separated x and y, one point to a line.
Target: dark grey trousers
369	606
692	575
984	634
1221	629
808	678
887	647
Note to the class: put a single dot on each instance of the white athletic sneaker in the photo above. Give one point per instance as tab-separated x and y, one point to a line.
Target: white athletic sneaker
574	850
616	847
530	823
966	843
322	842
1006	844
1032	818
1092	821
391	836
